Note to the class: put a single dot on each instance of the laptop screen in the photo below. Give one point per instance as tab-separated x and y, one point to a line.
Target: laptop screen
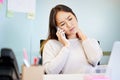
113	69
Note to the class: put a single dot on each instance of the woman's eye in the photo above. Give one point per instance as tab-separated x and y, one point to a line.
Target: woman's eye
62	24
70	19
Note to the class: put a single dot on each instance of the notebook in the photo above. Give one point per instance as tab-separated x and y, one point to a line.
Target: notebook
113	69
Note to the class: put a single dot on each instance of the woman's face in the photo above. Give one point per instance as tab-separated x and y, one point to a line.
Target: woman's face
67	22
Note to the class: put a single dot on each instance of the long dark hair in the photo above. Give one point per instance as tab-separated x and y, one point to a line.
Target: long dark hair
52	21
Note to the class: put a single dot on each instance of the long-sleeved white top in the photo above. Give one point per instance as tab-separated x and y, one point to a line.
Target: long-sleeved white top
79	57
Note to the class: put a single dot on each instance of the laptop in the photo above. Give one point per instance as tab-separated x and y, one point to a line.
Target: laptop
113	69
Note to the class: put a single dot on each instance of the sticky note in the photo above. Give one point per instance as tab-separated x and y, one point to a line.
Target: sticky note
10	14
31	16
0	6
1	1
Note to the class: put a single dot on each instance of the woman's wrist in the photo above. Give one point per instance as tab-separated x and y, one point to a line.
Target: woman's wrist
66	45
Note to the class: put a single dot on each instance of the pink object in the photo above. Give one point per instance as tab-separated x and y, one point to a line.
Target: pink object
1	1
25	54
96	77
35	60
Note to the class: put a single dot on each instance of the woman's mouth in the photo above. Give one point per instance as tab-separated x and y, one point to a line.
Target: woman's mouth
72	29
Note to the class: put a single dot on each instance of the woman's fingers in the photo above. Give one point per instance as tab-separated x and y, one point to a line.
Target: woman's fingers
60	33
81	35
61	37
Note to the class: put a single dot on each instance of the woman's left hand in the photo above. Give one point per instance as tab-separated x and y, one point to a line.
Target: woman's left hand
80	35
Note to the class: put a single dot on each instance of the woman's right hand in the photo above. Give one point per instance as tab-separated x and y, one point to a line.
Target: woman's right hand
61	37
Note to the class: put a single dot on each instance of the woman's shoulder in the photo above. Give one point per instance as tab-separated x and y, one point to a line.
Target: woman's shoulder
53	42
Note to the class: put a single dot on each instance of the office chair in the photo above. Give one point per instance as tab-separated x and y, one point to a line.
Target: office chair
40	60
8	65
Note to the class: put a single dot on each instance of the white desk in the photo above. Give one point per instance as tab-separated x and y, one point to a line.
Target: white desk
63	77
37	73
67	76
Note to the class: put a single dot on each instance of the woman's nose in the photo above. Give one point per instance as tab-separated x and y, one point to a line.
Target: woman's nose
68	24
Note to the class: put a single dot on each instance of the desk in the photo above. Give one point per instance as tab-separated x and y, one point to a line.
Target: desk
36	73
64	77
69	76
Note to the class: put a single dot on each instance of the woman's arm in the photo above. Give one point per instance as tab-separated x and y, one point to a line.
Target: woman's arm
54	57
91	47
92	50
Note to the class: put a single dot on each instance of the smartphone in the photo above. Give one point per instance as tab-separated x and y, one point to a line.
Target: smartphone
63	33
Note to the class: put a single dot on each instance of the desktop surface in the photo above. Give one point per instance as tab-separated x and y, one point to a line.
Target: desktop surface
76	77
63	77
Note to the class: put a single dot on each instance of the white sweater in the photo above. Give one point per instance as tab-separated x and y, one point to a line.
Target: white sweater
79	57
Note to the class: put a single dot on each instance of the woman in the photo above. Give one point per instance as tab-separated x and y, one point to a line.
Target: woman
67	50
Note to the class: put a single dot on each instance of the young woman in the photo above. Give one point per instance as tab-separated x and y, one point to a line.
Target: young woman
67	50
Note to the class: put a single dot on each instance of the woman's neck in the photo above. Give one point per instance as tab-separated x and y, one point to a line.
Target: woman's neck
72	37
